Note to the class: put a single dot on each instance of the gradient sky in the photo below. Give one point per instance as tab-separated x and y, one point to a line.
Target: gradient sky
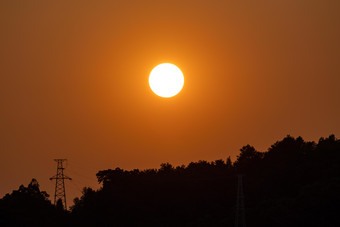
74	82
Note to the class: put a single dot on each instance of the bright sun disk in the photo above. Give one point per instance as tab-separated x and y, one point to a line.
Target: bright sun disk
166	80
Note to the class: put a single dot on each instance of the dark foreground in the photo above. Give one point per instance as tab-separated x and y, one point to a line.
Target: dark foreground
294	183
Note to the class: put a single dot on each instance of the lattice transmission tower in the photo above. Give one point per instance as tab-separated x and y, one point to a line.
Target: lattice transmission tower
60	178
240	219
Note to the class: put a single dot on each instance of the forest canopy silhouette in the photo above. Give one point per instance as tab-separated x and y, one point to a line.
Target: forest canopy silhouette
293	183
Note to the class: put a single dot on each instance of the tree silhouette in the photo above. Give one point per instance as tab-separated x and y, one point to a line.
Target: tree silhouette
27	206
293	183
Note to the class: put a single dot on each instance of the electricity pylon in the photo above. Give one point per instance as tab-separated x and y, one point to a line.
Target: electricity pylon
240	220
60	178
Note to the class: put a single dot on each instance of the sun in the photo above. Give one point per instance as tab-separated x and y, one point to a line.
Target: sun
166	80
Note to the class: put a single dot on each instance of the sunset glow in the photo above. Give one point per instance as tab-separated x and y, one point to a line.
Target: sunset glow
161	107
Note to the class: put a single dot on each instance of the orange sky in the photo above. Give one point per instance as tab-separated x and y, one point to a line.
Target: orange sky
74	82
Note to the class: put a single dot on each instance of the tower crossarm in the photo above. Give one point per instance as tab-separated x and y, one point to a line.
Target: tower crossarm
57	177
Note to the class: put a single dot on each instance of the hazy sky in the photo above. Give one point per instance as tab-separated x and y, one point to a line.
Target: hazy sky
74	82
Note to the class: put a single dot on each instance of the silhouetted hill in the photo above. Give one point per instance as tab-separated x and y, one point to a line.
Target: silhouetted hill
293	183
28	206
